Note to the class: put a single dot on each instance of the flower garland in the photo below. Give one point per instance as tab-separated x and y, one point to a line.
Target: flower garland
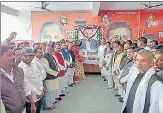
99	32
88	27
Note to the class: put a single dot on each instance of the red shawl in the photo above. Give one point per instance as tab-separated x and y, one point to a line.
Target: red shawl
77	53
61	62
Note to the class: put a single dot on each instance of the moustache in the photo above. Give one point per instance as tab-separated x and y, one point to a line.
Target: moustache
138	66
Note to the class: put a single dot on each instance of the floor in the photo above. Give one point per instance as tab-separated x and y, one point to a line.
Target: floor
88	96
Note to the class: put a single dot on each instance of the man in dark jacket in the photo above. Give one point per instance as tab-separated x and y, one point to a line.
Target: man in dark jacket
129	62
51	80
72	55
13	96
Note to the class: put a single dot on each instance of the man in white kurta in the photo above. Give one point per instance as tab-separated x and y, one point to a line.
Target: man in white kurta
142	43
107	68
38	60
100	56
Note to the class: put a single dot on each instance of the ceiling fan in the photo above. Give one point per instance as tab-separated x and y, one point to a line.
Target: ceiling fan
149	6
44	6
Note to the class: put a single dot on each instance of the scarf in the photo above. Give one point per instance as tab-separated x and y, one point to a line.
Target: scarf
140	95
77	53
61	61
139	101
60	58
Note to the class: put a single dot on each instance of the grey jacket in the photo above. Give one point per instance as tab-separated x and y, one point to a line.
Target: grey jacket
127	67
160	73
123	61
12	94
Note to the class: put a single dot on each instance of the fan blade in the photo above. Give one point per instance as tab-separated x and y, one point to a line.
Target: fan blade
48	10
157	5
42	3
145	5
45	5
37	7
154	6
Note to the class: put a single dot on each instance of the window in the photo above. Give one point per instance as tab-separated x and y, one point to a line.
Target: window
10	23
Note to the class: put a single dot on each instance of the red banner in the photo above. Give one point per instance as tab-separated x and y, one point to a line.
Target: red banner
31	42
117	24
151	24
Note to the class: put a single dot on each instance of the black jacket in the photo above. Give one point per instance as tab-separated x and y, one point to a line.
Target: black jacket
72	55
53	65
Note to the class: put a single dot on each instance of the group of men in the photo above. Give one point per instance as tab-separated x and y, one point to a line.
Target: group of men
35	79
135	71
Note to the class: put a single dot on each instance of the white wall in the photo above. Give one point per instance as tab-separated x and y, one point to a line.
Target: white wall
25	22
20	24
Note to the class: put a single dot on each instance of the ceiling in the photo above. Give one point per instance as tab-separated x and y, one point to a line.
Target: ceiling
61	6
127	5
29	6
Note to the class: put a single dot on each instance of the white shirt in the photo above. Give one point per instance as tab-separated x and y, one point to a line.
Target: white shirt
33	80
127	77
147	48
108	59
161	102
9	75
101	50
39	63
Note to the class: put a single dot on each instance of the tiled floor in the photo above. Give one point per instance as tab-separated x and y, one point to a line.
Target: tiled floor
88	96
